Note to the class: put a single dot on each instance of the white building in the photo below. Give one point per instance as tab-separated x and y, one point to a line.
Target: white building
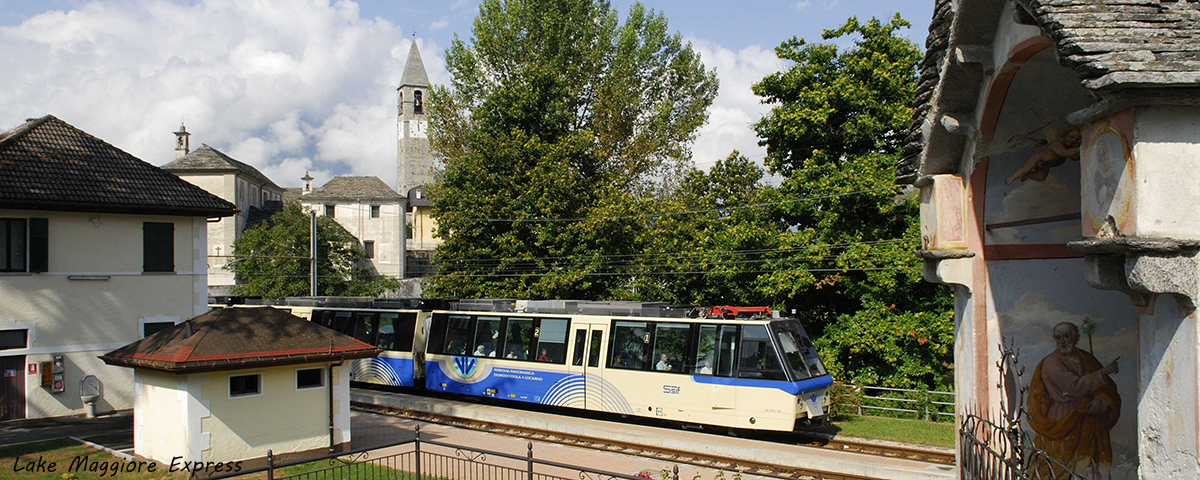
99	249
368	209
235	182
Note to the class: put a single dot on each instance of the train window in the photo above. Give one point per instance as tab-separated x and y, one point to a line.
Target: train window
670	347
798	349
757	358
437	334
628	345
387	330
487	336
580	344
594	351
518	338
364	327
706	349
405	327
552	340
341	322
458	335
727	350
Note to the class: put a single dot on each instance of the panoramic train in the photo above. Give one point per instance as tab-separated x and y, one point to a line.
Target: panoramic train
738	367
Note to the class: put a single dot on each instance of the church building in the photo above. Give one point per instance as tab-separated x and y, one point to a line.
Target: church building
1056	149
414	158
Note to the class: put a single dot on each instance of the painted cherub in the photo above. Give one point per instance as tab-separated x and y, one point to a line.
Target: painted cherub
1057	151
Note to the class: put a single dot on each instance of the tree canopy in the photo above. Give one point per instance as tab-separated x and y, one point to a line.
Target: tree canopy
342	265
834	136
560	118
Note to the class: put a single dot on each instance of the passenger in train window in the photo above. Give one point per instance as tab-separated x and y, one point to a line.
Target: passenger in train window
704	368
619	361
512	352
664	363
479	351
543	357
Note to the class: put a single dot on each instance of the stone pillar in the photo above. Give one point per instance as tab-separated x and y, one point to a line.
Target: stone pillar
1162	278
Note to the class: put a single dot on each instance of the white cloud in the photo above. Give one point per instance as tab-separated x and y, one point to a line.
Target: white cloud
440	24
284	86
736	108
458	4
802	5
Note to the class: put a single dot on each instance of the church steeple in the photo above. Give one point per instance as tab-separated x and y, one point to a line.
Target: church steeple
182	144
414	159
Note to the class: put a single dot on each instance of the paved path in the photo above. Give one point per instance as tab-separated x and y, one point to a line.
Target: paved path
114	430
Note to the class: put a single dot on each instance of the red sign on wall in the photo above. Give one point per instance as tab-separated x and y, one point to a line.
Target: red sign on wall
33	369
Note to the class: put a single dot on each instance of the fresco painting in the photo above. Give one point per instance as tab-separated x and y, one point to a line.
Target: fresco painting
1107	175
1078	348
1032	188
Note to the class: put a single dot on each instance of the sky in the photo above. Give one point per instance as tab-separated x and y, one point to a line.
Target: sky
295	86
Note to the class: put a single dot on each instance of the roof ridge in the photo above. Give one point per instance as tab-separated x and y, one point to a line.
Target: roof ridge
24	128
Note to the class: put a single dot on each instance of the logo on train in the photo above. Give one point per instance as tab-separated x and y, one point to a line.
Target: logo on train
464	366
671	389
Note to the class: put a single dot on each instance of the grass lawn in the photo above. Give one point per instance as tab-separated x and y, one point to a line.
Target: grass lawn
62	452
938	434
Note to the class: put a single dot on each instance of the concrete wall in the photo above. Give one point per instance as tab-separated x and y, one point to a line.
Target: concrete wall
240	190
282	418
160	416
1167	158
92	299
385	231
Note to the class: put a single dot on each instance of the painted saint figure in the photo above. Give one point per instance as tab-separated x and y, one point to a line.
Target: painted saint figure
1072	406
1057	151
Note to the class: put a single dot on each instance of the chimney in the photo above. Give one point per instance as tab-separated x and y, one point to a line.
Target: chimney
182	146
307	184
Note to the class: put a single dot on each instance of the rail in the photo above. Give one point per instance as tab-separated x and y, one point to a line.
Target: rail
928	404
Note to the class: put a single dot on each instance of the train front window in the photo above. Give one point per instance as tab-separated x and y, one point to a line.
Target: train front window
458	335
487	336
757	358
551	336
799	351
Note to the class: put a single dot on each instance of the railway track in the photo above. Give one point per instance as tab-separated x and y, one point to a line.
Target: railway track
678	456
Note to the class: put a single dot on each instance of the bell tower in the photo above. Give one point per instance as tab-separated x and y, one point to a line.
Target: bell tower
414	159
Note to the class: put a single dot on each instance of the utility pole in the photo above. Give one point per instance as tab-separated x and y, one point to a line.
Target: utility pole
312	252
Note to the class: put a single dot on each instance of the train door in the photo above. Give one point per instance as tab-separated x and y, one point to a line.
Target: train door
725	396
593	378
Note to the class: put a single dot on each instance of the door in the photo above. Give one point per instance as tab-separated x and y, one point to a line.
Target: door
12	387
593	378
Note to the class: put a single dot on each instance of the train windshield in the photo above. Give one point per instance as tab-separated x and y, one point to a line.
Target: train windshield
798	350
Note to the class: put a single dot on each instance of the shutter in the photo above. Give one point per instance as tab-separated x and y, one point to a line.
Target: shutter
158	247
39	245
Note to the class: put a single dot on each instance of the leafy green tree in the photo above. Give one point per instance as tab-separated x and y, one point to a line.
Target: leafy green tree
703	252
342	265
557	111
834	135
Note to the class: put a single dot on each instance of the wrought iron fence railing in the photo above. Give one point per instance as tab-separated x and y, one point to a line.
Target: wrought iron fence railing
923	404
418	459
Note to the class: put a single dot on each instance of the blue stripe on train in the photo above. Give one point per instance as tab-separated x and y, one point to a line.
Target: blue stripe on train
510	383
397	372
792	388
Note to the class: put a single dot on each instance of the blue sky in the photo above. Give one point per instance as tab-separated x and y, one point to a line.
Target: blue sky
309	85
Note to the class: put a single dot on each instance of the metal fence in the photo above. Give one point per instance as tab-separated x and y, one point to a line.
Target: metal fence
991	451
926	404
418	459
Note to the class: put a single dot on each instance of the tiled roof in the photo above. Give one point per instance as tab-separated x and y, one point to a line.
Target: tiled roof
354	188
208	159
414	69
292	194
1110	44
47	164
237	338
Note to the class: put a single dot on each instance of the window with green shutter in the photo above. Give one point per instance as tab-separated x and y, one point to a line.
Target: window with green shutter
158	247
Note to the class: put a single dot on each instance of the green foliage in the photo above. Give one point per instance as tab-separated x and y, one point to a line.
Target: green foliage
342	266
557	110
698	234
834	135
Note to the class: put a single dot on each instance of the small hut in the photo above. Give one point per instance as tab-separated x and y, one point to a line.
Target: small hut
233	383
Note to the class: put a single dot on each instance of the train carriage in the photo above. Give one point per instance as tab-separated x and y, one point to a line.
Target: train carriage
634	359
